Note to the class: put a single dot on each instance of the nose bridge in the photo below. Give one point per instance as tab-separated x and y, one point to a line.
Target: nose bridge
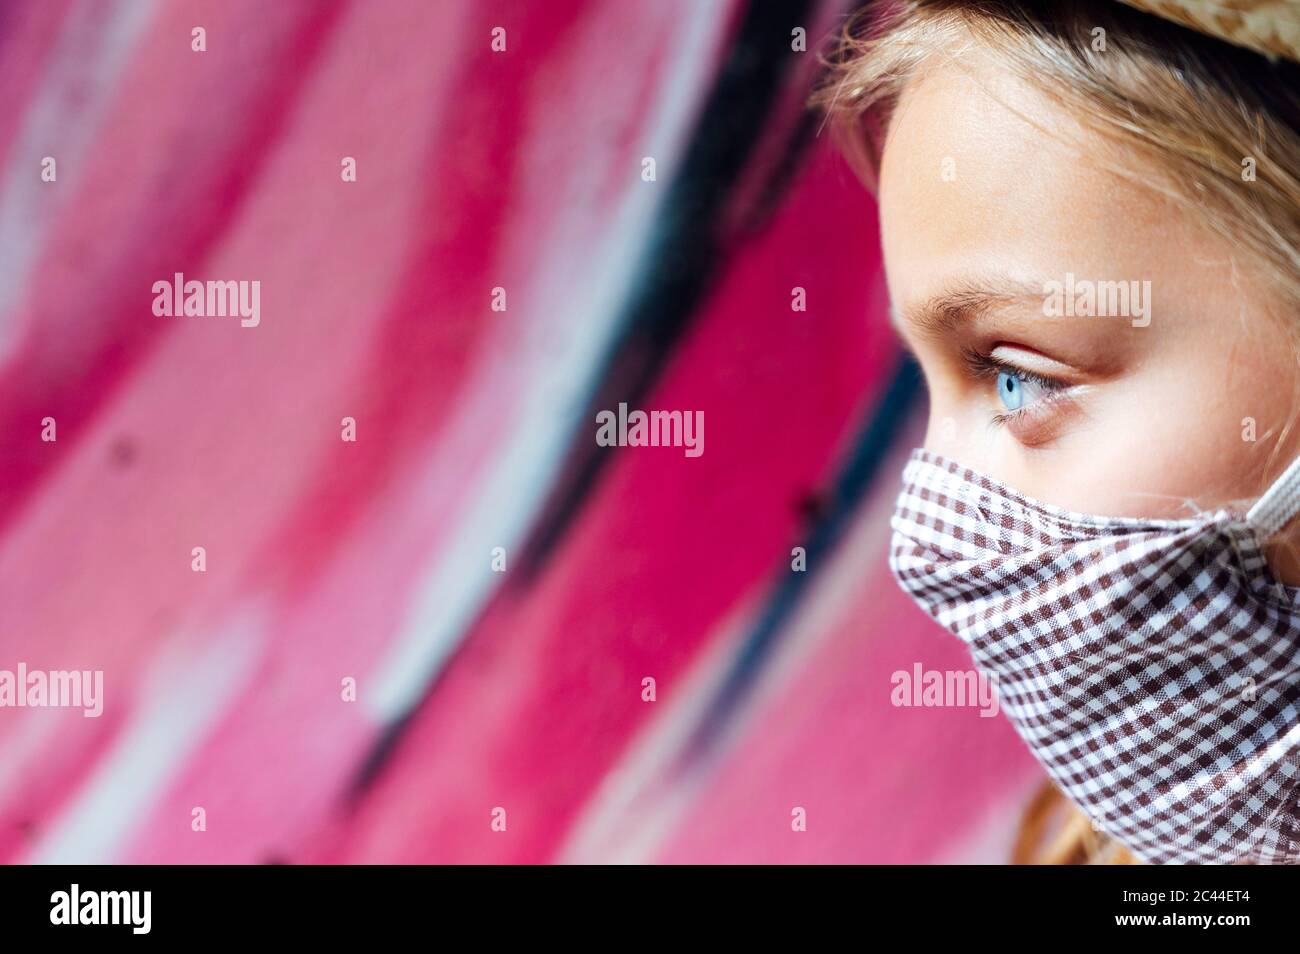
941	431
947	432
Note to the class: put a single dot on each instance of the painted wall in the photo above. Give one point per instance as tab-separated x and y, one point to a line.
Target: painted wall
327	560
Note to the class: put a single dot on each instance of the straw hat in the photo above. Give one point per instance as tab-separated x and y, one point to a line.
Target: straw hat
1271	27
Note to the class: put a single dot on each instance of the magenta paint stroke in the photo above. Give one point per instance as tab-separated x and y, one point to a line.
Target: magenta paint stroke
341	673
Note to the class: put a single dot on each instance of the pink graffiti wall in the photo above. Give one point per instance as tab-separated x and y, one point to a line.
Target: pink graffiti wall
323	649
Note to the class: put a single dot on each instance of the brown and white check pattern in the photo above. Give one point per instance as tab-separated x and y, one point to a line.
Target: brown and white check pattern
1152	666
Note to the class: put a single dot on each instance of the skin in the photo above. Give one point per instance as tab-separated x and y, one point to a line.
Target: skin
1140	421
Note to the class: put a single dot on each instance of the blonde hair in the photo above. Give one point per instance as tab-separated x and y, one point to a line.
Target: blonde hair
1201	110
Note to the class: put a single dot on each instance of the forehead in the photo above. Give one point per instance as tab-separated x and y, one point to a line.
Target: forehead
982	173
974	155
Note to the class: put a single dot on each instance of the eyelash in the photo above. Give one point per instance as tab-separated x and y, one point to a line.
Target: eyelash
986	367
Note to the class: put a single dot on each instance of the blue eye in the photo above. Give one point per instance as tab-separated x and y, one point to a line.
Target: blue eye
1011	389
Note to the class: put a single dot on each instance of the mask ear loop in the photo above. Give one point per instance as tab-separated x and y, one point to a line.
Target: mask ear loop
1279	504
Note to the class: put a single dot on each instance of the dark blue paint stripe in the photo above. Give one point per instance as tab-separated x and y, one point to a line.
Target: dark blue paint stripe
851	486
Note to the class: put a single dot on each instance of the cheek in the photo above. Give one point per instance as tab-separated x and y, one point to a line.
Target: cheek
1150	443
1209	417
1164	441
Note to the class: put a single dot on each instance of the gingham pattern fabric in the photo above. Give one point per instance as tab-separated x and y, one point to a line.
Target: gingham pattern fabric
1152	666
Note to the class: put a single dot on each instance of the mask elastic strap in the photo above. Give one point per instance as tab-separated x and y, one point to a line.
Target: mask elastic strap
1279	503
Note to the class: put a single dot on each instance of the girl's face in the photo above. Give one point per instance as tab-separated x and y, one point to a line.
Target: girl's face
997	207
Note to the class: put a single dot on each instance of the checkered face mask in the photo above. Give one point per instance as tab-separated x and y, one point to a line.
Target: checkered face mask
1152	666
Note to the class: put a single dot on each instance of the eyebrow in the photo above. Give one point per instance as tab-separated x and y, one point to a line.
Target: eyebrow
965	300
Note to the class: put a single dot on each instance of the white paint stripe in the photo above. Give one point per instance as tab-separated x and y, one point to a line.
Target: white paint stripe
27	733
639	805
589	292
71	98
991	838
181	700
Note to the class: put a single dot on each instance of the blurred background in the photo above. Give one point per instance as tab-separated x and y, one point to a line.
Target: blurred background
498	587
